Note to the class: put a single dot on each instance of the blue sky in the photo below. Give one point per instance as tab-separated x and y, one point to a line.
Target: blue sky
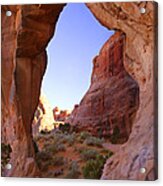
77	40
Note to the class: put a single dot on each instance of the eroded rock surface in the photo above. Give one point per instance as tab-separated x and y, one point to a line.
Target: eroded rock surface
112	100
141	63
61	115
25	36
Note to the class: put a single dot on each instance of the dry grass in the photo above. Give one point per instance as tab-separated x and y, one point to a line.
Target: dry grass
71	155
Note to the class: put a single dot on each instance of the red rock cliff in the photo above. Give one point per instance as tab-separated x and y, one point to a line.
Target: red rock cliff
141	63
113	97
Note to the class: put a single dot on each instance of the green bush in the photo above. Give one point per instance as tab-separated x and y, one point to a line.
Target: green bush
93	141
45	132
115	136
43	156
57	161
70	138
65	127
55	147
43	160
73	170
64	138
88	154
35	147
84	135
107	152
5	154
60	147
93	168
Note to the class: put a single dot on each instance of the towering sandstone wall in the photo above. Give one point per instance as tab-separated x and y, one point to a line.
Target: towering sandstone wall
25	36
140	63
112	100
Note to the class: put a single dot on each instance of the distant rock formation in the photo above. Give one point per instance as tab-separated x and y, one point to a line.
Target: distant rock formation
43	119
110	105
61	115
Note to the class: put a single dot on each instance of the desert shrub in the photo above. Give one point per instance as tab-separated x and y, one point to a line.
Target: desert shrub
100	132
73	171
55	147
59	137
44	132
107	152
57	161
5	154
115	136
43	166
43	160
35	147
43	156
60	147
64	138
93	168
93	141
110	153
65	127
70	138
84	135
39	137
36	138
88	154
51	148
57	173
80	149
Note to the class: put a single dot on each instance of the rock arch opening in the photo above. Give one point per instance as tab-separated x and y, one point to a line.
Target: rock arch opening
70	53
110	102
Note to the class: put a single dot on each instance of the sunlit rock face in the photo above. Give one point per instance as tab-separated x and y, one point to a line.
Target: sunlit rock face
43	118
113	97
61	115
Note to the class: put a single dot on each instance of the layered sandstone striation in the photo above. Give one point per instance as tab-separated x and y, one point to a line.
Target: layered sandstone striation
112	100
25	36
141	63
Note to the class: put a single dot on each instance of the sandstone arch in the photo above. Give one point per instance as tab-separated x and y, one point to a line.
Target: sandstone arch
24	38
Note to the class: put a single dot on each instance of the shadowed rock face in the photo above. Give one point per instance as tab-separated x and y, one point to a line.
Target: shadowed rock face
25	36
112	99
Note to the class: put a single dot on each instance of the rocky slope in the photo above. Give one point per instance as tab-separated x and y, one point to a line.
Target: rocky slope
25	36
112	100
